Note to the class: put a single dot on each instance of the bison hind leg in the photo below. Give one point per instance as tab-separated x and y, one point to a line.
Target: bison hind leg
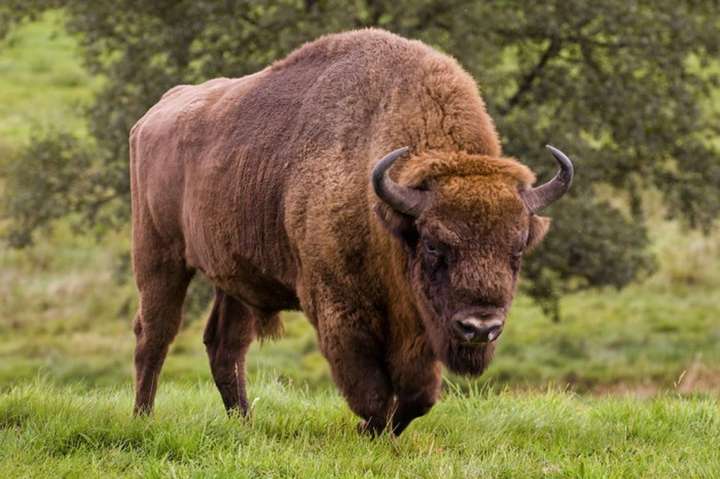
230	330
158	320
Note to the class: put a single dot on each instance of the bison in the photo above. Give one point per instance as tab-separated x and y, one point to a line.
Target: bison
270	185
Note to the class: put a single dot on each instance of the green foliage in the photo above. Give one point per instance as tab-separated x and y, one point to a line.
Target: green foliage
50	179
43	84
619	85
47	431
592	244
15	11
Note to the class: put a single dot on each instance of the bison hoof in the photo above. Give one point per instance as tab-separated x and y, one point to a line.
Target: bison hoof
371	428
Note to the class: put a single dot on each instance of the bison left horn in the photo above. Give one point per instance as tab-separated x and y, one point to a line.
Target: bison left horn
407	201
544	195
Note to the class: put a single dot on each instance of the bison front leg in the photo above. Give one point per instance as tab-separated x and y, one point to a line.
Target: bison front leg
416	379
228	334
412	404
385	401
357	368
366	388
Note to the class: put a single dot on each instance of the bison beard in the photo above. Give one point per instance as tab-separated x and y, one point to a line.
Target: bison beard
271	186
459	357
464	359
468	359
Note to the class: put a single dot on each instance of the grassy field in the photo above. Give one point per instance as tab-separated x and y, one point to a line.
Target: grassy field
47	431
633	375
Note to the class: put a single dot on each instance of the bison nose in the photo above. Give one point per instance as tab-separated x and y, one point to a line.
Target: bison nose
476	330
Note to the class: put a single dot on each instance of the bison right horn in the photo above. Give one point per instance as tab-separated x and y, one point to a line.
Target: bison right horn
542	196
407	201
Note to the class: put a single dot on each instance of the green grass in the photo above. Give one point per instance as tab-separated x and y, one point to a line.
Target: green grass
48	431
42	82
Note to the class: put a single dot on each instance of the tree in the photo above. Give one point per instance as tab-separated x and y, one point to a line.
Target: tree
617	84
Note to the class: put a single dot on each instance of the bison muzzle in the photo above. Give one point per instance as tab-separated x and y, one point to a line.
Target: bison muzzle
270	185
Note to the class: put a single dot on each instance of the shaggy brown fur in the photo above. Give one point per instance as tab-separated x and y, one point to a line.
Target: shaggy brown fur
262	183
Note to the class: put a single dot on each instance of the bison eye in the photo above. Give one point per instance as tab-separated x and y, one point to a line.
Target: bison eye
434	252
434	258
432	249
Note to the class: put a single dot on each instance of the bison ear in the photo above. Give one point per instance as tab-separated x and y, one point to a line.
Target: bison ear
539	226
399	225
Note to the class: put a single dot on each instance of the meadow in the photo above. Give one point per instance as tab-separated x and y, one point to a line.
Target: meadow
625	385
65	432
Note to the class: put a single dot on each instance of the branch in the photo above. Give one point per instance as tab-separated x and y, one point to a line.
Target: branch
431	16
310	5
527	81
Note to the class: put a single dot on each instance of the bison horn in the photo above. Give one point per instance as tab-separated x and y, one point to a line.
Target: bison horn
544	195
408	201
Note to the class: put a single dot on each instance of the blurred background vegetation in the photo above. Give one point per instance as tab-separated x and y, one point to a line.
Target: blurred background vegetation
629	89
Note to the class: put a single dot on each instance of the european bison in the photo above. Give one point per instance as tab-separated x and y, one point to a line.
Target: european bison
271	186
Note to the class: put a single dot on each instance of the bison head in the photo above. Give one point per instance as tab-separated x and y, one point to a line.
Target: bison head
465	222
